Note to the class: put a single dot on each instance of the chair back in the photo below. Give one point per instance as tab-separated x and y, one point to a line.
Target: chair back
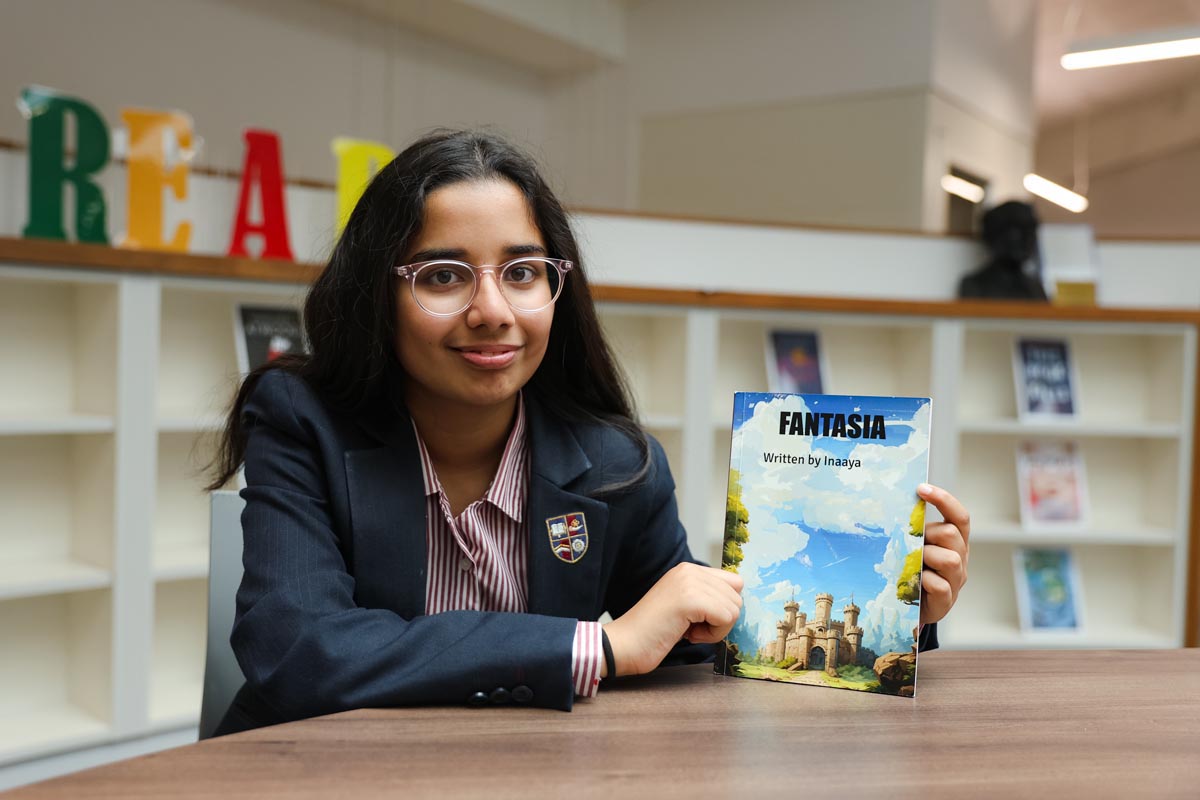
222	675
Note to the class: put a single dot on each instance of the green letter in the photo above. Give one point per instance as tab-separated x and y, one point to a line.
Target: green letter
49	170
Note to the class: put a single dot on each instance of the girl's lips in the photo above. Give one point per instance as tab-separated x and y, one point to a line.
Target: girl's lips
493	356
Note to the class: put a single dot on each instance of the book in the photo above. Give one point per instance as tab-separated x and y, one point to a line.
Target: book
1049	593
1052	484
263	333
824	525
794	363
1045	379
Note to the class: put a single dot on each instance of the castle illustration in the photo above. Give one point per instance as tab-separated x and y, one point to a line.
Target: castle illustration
821	643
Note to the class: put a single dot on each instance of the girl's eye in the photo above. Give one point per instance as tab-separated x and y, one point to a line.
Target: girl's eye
522	274
443	277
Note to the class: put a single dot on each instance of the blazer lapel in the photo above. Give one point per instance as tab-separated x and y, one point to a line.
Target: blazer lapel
558	588
387	510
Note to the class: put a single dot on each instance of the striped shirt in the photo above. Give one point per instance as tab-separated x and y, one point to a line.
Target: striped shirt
478	560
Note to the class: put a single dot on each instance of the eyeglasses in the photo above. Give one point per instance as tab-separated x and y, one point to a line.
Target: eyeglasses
446	288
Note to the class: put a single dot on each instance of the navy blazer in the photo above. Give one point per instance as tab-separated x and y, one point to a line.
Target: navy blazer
331	609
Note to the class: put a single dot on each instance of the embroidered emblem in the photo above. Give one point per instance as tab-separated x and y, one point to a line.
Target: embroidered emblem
568	536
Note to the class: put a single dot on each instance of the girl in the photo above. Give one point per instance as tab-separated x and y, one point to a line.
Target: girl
448	492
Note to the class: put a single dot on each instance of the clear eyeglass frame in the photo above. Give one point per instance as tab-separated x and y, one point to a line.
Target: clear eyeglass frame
410	272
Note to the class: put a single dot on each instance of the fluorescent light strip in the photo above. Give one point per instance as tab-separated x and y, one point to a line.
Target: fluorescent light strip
1059	195
1147	46
963	188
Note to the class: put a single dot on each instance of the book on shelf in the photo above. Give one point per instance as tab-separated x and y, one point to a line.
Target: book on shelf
263	333
1045	379
794	362
824	525
1049	591
1052	484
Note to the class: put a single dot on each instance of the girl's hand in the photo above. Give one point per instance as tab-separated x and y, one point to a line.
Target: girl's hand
947	548
690	601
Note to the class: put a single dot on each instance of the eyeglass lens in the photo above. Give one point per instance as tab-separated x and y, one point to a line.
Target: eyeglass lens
447	287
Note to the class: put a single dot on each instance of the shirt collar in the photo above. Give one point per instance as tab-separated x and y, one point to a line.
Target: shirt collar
507	491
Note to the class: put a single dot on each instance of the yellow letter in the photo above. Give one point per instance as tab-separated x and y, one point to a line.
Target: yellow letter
358	161
148	174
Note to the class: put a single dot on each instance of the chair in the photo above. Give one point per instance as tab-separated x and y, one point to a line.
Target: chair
222	675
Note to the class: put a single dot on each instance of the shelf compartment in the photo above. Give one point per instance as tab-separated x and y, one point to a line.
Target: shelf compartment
56	513
650	349
988	531
56	676
1119	611
58	344
1069	429
1132	484
197	366
865	358
1126	381
181	512
177	669
55	424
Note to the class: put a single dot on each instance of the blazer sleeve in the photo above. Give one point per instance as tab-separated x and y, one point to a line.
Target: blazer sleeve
303	644
655	543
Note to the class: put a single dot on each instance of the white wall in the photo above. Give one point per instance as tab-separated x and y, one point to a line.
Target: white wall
308	70
983	60
694	55
849	160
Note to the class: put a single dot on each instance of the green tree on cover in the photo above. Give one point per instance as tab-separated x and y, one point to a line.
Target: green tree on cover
908	588
916	520
736	520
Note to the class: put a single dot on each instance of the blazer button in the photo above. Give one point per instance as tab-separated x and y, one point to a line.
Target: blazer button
522	694
478	699
500	696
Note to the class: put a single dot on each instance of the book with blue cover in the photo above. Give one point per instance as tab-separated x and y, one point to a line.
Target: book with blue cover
824	525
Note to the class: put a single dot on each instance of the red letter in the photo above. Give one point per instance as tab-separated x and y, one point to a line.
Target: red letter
264	165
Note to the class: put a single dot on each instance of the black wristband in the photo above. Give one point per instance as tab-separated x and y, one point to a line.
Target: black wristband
609	660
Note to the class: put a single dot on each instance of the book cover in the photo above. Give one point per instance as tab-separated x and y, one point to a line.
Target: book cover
1052	483
794	363
824	525
1045	379
263	333
1049	594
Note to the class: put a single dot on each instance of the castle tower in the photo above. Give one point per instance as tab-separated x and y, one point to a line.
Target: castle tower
853	632
781	642
791	609
824	603
850	614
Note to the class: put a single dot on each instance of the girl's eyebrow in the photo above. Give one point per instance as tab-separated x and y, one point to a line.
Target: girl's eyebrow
459	254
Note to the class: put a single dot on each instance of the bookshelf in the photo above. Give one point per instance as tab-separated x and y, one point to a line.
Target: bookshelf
124	375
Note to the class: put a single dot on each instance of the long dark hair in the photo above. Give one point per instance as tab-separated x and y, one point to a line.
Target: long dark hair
349	314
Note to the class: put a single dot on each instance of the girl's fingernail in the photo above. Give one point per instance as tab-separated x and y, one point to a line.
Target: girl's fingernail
924	488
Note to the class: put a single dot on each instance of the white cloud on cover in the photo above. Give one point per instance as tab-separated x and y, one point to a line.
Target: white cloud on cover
887	621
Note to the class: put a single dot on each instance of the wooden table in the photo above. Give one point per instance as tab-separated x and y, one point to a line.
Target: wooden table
1012	725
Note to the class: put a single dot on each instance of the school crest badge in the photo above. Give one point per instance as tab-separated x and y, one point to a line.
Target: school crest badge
568	537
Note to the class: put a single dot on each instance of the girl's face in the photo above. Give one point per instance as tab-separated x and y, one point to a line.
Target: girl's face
484	355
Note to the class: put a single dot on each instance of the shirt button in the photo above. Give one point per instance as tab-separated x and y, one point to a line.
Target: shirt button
500	696
464	564
522	694
478	699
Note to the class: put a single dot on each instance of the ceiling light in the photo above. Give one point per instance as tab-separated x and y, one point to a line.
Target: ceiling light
1135	48
963	188
1059	195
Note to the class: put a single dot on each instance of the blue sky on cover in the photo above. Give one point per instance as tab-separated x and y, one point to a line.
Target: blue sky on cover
828	529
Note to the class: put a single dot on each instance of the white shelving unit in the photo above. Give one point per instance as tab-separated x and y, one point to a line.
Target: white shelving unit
123	379
115	386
